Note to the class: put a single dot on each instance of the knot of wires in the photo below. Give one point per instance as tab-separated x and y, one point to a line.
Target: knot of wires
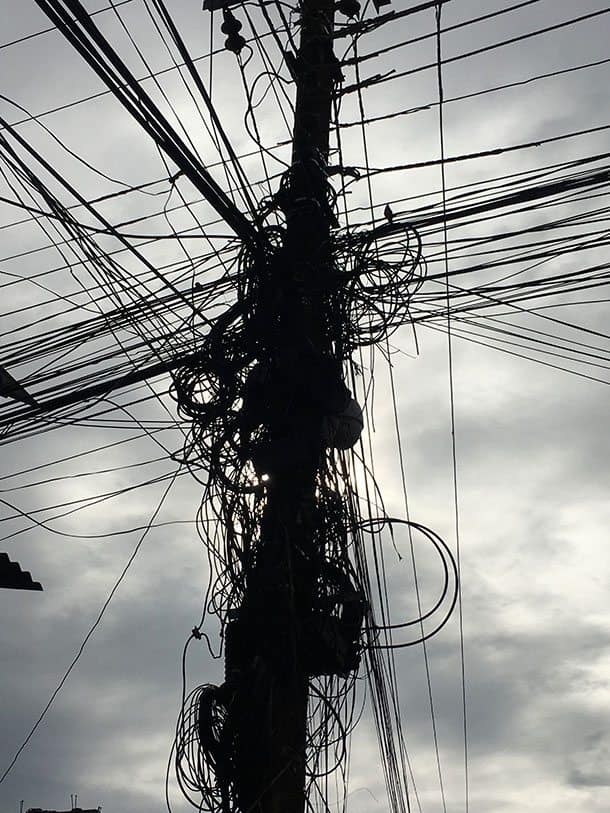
266	405
204	751
384	269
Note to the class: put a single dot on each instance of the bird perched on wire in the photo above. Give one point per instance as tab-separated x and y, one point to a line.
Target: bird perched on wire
388	213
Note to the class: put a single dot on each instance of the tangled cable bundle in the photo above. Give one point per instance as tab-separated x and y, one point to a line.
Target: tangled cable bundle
387	269
364	300
244	400
444	604
204	751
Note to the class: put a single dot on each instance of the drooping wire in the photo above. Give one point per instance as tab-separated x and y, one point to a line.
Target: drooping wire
439	61
90	633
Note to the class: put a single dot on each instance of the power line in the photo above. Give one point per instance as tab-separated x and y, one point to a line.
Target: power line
88	636
393	75
450	369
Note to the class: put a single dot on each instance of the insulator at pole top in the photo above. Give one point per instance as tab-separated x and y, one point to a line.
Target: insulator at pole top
234	43
231	27
230	24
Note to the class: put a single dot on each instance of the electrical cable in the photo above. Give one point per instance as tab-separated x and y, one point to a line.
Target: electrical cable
88	636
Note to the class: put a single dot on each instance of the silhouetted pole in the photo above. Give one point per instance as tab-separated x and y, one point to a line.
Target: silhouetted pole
270	704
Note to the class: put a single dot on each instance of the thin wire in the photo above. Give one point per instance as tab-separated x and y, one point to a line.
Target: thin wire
391	664
50	30
91	631
439	64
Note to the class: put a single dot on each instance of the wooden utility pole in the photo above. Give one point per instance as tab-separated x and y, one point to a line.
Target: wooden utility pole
269	708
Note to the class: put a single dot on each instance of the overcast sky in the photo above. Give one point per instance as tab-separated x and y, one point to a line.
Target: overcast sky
532	456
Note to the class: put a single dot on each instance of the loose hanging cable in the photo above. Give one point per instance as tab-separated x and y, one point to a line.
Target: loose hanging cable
439	62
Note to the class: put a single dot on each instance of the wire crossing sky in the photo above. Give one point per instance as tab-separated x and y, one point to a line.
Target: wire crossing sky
141	164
